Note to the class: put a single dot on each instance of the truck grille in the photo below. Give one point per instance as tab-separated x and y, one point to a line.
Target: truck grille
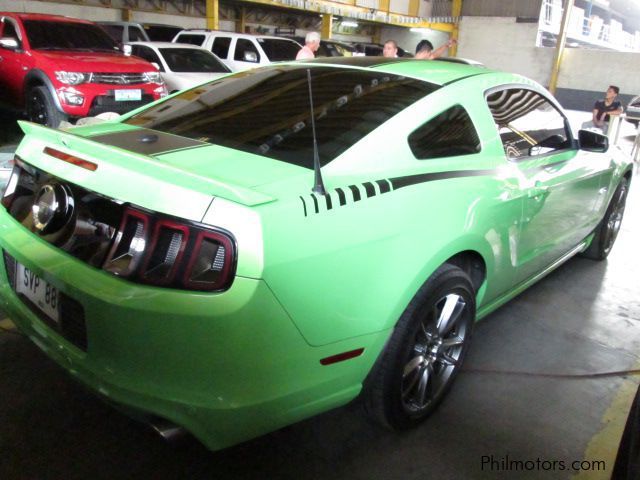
119	78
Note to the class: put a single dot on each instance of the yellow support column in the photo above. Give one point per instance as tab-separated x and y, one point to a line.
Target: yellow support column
240	23
560	41
127	15
327	26
383	5
212	14
456	11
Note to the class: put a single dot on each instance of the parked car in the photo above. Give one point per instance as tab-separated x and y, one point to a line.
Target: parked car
230	260
330	48
181	65
125	32
633	111
240	51
58	68
159	32
375	49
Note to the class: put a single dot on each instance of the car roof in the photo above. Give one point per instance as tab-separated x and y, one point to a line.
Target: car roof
202	31
168	45
44	16
440	73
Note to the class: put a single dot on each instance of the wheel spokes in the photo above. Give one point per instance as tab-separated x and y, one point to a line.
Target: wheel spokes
450	314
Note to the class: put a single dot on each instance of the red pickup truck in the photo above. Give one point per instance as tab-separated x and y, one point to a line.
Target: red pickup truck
56	68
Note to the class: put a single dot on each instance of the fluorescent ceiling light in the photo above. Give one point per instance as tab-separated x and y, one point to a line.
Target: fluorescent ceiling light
349	23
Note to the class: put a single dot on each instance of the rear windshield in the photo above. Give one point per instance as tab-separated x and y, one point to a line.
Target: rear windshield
279	50
45	35
189	60
196	40
266	111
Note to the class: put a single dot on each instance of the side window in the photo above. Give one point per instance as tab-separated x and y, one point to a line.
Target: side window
196	40
221	46
448	134
136	34
528	123
246	51
9	30
147	54
116	32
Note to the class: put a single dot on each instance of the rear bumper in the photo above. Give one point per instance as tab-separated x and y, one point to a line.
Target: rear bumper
227	366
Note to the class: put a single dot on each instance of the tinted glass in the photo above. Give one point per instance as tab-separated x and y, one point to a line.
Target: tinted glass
190	60
244	47
279	50
114	31
161	33
449	134
266	111
528	123
221	46
9	30
147	54
136	34
196	40
46	35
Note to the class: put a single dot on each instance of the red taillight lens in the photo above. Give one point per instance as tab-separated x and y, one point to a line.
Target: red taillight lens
211	263
165	252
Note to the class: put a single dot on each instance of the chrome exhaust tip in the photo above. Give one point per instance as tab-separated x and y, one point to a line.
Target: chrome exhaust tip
168	430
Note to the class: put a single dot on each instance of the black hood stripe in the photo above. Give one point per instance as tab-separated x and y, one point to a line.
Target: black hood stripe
147	142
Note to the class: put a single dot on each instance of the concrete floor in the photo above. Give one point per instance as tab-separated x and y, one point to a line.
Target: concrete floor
582	319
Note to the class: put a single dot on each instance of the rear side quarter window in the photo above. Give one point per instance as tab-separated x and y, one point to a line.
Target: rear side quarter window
221	46
191	39
449	134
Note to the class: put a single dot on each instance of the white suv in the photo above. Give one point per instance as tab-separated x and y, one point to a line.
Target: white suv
240	51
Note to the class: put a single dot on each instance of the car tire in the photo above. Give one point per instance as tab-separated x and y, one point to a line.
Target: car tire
607	231
42	109
423	354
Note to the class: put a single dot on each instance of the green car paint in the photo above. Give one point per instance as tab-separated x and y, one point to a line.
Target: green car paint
315	276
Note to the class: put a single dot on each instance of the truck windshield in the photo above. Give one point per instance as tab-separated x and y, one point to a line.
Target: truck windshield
47	35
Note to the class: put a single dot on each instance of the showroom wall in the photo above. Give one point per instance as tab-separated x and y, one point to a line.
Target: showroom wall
584	75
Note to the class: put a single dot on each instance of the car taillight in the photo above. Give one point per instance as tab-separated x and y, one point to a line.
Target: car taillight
167	252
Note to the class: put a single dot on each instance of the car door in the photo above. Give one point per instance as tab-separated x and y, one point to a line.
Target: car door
14	64
245	55
558	185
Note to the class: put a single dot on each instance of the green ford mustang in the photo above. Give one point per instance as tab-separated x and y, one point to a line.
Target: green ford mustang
227	262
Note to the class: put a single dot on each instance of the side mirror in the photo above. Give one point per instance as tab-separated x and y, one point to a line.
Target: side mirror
591	141
126	49
9	43
250	57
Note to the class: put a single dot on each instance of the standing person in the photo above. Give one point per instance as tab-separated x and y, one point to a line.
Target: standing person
602	108
311	45
390	49
425	51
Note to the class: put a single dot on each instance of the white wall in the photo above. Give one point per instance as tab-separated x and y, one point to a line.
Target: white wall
594	70
503	44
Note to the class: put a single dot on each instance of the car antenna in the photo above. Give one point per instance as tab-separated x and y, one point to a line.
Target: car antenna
318	186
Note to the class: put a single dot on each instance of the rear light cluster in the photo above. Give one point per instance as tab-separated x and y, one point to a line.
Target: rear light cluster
170	253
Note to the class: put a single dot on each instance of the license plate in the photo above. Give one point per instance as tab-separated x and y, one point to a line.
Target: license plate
124	95
42	294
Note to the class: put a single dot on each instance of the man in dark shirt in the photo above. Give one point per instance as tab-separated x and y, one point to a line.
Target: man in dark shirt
603	108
